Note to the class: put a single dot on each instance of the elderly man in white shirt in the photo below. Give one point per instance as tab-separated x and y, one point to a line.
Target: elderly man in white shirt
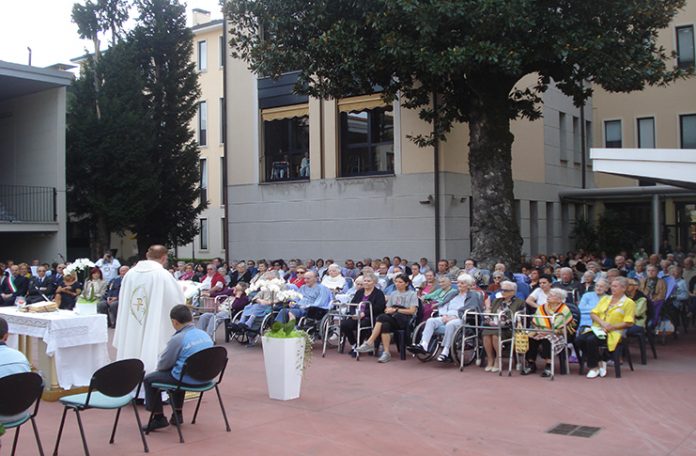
450	317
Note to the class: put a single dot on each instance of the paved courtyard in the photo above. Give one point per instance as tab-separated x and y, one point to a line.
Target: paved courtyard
407	407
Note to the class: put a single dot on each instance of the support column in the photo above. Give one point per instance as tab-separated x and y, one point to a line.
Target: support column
655	212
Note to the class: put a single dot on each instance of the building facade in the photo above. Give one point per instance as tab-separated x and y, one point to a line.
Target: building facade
654	118
209	51
341	179
32	175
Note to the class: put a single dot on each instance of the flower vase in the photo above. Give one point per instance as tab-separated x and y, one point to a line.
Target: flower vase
283	358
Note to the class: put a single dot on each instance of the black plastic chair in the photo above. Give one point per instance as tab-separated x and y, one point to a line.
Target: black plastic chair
620	352
207	366
17	394
642	338
111	388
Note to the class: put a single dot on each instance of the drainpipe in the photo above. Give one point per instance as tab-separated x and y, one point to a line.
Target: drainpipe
225	229
583	146
436	178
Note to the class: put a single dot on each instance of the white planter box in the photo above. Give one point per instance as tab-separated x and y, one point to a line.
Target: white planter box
283	377
85	308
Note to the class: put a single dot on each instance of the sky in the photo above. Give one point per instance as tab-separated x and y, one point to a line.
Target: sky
45	26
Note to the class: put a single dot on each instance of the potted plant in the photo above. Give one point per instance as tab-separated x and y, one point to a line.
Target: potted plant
85	305
287	353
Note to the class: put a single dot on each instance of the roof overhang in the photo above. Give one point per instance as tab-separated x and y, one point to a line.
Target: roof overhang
675	167
18	80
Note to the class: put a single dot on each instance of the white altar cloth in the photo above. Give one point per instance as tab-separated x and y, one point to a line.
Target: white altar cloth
76	342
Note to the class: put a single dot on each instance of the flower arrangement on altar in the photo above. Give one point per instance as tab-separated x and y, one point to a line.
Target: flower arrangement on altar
80	267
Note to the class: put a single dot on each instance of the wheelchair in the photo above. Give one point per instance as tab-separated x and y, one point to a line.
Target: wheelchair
315	323
249	336
469	354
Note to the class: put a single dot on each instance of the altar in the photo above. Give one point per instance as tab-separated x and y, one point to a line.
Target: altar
69	347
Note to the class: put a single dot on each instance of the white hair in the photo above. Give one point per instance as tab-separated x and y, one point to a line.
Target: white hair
467	279
559	293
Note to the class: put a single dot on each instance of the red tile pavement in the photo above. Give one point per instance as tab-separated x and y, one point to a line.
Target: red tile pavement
412	408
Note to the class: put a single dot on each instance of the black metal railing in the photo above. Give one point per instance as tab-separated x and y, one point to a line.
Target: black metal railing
27	204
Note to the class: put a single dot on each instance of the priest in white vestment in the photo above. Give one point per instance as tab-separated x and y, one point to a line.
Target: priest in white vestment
148	293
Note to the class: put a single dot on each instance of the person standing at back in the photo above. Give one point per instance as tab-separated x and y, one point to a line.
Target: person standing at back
108	266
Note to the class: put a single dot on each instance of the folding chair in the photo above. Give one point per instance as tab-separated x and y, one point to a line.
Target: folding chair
111	388
203	367
17	394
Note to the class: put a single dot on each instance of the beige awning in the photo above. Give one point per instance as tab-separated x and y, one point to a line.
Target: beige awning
285	112
362	103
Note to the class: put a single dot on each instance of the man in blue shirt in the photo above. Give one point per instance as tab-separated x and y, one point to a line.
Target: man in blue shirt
314	295
11	362
186	341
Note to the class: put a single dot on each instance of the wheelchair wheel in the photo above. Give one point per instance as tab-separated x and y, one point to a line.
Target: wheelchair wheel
469	348
433	346
239	336
334	336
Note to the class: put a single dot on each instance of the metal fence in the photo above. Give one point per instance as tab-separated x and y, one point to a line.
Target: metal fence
23	203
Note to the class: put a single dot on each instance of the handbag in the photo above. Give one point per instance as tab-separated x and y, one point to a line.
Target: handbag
521	340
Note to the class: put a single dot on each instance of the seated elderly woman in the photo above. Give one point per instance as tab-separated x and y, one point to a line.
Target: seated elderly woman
401	306
333	280
554	307
439	296
450	316
508	303
358	284
210	321
368	293
610	318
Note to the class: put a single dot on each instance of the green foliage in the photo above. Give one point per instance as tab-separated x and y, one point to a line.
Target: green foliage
132	162
584	235
287	330
171	94
2	430
470	55
614	232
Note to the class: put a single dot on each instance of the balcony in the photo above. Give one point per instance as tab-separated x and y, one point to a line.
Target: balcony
26	204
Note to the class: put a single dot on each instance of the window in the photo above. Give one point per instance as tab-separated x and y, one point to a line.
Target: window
646	133
223	120
577	153
204	179
224	232
612	134
222	181
687	131
685	46
203	235
222	50
286	149
202	56
562	137
202	123
367	142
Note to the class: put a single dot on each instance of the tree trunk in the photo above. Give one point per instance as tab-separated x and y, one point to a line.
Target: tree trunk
494	231
100	238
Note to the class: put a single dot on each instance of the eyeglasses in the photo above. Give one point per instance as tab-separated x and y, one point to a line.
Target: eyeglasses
506	289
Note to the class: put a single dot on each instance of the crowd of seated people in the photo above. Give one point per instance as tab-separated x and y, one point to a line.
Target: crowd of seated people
596	299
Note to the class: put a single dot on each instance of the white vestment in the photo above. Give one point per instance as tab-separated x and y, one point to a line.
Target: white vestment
143	328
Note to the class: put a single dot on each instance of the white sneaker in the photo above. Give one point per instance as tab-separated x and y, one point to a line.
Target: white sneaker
593	373
365	348
495	369
602	369
385	358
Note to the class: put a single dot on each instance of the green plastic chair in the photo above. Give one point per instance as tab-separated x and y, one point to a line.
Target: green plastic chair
111	388
207	367
17	394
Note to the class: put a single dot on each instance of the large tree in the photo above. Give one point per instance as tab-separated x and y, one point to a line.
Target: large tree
468	55
132	158
165	46
107	151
